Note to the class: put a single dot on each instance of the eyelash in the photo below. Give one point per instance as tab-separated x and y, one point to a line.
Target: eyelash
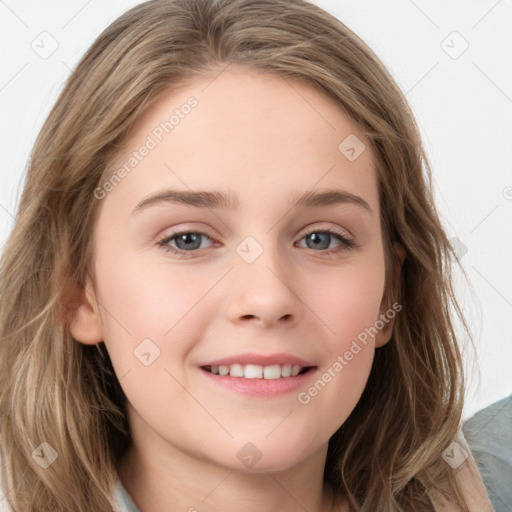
346	242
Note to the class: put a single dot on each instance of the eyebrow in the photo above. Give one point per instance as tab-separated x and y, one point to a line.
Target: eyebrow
216	199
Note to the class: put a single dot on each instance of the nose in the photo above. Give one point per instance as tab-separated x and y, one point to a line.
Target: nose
264	292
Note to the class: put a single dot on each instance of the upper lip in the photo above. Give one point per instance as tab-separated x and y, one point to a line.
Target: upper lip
261	359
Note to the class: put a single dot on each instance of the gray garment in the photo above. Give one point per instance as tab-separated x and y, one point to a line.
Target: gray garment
489	435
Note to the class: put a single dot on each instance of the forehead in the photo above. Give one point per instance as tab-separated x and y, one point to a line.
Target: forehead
248	131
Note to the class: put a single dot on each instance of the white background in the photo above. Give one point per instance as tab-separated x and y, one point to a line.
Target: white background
463	106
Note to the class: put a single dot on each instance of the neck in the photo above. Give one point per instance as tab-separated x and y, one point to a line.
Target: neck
158	476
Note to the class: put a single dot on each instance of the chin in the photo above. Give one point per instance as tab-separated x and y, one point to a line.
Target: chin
269	455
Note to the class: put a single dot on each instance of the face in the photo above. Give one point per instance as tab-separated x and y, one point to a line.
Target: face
261	284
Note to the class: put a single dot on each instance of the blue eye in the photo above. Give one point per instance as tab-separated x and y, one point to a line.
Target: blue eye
186	242
321	239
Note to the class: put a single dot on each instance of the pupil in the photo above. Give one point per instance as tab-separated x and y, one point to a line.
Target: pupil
317	240
187	239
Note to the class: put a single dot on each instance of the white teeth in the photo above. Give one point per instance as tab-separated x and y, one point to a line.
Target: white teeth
295	370
286	370
253	371
236	370
256	371
272	372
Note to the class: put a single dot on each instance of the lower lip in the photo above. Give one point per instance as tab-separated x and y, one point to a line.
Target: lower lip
260	387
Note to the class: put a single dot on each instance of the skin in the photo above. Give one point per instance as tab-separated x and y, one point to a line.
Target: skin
264	140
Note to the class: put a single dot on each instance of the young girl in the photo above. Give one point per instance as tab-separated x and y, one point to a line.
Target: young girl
228	287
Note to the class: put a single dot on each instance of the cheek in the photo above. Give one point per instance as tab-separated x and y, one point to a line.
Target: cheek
350	350
149	300
148	324
348	300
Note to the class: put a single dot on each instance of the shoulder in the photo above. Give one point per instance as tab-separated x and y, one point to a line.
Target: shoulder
459	456
489	428
123	502
489	437
123	499
4	506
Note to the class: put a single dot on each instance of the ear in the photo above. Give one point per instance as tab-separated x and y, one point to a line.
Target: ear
83	315
387	317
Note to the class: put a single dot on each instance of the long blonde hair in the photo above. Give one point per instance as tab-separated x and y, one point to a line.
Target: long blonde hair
388	453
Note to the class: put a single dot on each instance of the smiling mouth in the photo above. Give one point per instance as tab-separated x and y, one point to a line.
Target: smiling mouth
256	371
